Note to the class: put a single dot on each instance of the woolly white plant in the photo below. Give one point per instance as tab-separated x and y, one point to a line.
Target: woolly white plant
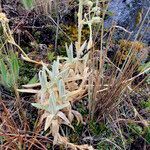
60	88
66	82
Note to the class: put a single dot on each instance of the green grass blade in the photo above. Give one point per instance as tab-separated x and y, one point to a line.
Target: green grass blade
3	71
14	66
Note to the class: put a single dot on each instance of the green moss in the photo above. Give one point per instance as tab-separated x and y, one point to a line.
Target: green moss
138	18
72	32
105	146
51	56
97	128
145	104
135	131
125	47
82	109
111	143
74	136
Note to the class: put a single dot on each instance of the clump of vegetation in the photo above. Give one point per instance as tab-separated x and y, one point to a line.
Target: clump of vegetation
125	47
72	32
82	99
9	68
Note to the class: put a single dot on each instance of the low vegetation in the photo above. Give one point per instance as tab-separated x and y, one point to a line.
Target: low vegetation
90	93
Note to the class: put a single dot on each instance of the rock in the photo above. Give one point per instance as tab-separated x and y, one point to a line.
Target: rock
128	14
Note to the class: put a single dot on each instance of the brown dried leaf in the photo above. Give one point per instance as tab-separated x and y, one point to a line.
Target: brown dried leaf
31	85
70	116
55	131
71	86
65	119
78	116
28	91
48	121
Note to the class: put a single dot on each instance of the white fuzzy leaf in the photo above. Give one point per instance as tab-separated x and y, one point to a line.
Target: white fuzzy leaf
61	87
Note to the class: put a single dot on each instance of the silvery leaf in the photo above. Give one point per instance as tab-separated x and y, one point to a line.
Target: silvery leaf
39	106
61	87
70	51
42	78
55	68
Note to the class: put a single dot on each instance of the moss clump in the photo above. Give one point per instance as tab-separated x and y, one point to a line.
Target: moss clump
125	47
97	128
145	104
138	17
72	32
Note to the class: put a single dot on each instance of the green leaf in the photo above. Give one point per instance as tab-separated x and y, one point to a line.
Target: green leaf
14	67
147	134
144	66
33	80
145	104
3	70
9	82
28	4
51	56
